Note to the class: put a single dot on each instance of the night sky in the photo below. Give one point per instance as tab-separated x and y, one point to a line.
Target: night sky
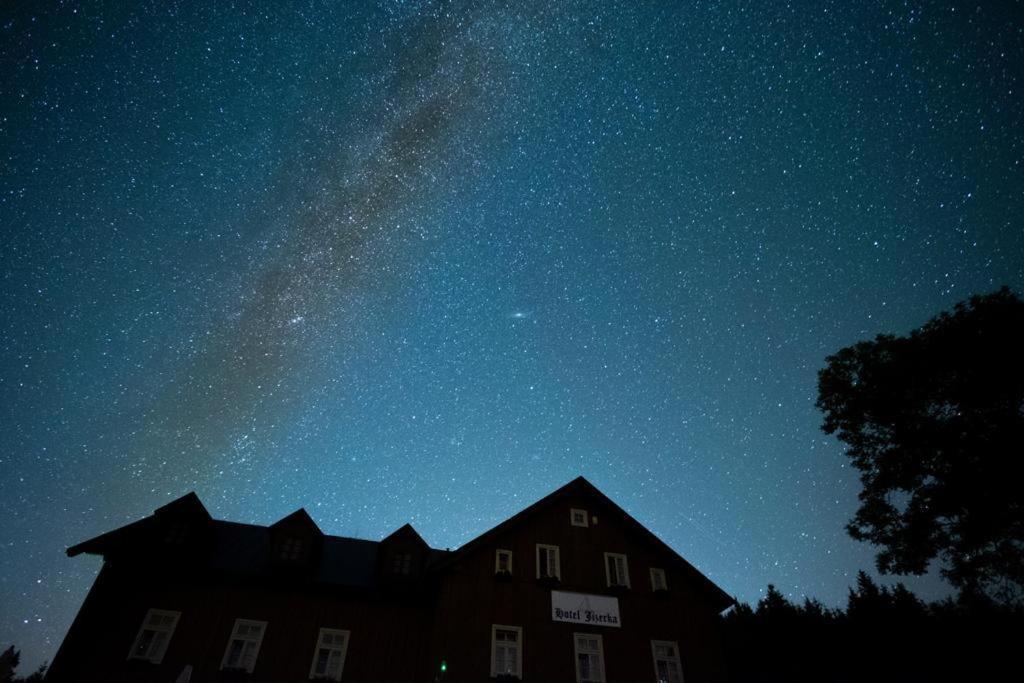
426	262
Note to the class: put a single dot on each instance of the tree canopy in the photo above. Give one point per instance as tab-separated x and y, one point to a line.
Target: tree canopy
934	422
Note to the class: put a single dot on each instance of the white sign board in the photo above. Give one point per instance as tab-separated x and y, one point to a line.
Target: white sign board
579	608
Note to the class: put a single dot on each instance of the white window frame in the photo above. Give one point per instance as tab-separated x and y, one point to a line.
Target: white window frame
679	665
625	570
497	560
494	650
558	561
332	648
600	657
156	647
572	517
246	639
655	584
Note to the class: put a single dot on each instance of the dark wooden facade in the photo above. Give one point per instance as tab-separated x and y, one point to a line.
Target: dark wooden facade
405	608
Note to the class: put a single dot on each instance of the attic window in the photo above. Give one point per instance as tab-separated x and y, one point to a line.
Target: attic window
578	517
503	561
401	563
658	582
291	548
176	533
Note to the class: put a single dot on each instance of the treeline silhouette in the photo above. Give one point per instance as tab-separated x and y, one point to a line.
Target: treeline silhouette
884	634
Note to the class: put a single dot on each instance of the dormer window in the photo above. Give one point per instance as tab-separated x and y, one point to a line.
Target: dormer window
291	549
401	563
578	517
176	534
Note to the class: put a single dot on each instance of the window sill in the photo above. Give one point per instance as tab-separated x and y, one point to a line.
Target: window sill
503	576
549	581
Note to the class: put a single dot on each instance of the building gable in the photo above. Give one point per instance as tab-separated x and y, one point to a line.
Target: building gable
599	546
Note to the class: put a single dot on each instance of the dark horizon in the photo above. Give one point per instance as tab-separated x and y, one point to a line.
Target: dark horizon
425	262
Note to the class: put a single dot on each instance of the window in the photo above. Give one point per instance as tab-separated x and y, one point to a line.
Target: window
329	657
578	517
401	563
244	645
658	582
547	562
616	569
177	534
503	561
154	635
290	549
589	658
506	651
666	662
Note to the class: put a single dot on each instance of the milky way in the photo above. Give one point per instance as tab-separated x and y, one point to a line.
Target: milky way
426	262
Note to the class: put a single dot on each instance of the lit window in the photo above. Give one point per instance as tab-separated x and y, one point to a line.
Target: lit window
506	651
154	635
291	549
547	562
658	582
503	561
589	658
578	517
329	657
244	645
616	569
666	661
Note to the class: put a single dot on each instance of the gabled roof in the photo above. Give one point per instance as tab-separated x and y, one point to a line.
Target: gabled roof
188	505
246	549
299	518
581	487
405	533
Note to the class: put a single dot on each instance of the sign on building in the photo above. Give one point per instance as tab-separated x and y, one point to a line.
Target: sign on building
579	608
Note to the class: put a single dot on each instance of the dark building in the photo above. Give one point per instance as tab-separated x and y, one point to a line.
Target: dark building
570	589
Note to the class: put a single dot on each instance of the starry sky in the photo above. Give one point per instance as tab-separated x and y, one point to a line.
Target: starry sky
428	261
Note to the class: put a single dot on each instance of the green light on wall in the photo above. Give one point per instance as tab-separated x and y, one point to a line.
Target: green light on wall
444	666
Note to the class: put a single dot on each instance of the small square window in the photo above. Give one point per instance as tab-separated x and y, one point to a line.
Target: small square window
578	517
291	549
503	561
401	563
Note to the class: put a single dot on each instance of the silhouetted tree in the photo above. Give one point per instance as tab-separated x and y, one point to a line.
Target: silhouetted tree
885	634
934	421
9	660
